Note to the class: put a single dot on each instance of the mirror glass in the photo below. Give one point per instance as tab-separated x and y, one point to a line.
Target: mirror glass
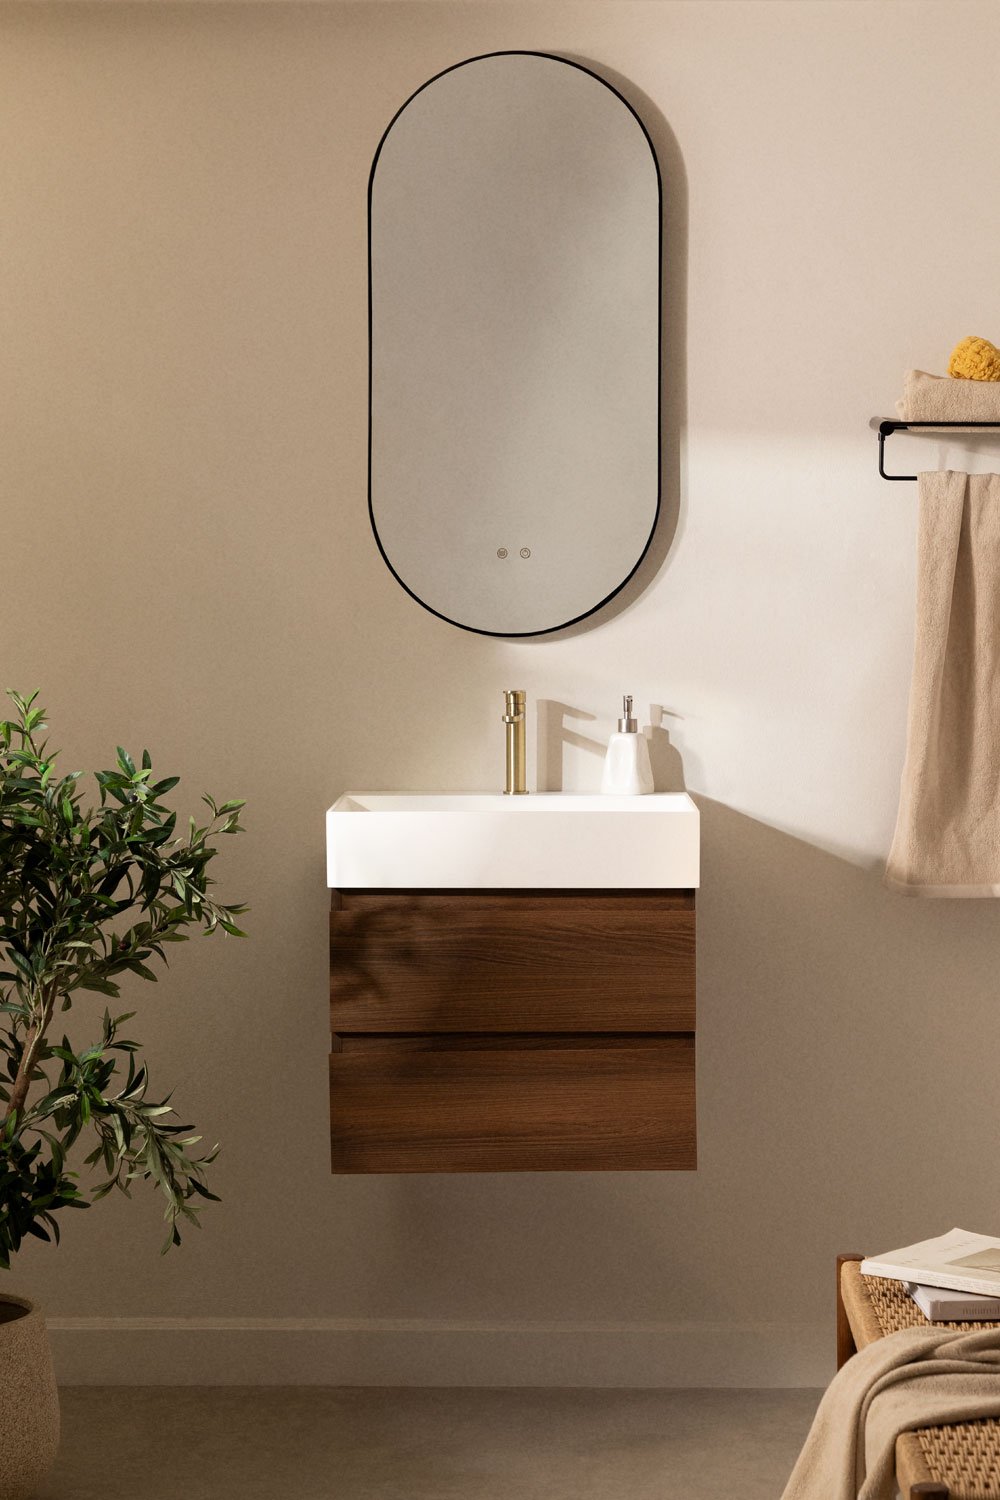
514	255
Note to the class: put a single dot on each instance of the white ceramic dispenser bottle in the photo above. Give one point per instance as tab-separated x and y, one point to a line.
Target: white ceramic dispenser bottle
627	772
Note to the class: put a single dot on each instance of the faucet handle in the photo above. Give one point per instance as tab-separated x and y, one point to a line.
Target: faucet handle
513	705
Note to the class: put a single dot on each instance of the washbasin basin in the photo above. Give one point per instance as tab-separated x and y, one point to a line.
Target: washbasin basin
543	841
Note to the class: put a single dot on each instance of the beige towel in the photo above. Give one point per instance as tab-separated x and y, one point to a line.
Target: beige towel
919	1377
947	840
940	398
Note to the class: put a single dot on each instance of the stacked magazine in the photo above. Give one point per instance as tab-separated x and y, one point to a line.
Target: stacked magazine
954	1278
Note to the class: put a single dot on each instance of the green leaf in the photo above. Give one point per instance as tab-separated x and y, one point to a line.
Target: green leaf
160	788
143	970
73	878
100	986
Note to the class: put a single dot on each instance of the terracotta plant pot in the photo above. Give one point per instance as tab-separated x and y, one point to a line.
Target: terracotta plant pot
29	1403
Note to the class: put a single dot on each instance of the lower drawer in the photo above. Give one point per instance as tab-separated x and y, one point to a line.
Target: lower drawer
505	1104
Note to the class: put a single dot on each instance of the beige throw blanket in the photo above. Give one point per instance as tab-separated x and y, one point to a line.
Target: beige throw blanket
947	840
940	398
919	1377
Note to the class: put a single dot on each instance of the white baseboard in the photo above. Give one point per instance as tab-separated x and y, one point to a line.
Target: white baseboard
389	1352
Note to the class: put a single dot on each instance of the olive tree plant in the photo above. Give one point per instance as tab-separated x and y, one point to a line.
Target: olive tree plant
89	895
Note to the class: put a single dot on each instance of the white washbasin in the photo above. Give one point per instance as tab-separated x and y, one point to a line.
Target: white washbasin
544	841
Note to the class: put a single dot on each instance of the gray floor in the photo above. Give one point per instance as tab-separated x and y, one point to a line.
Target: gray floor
214	1443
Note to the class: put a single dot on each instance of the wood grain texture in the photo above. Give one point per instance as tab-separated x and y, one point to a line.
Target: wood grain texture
912	1474
483	1042
514	1109
512	962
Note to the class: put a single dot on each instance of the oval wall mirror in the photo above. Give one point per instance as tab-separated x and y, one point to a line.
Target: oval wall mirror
514	285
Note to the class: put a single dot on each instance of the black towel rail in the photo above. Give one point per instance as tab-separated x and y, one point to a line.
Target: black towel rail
885	429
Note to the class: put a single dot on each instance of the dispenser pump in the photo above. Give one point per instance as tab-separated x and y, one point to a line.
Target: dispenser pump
627	771
626	724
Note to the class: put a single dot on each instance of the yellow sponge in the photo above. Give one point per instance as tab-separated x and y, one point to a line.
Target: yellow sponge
975	359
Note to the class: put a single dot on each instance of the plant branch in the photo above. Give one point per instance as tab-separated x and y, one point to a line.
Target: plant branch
33	1041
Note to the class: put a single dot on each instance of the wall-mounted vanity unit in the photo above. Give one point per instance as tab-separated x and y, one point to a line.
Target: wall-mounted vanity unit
512	983
514	296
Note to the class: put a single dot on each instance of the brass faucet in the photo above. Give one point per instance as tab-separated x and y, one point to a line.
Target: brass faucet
513	718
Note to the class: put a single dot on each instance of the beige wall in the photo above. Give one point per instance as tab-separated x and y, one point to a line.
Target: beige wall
188	564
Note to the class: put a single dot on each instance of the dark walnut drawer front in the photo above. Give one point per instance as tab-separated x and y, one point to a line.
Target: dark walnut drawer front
500	1105
512	1031
512	962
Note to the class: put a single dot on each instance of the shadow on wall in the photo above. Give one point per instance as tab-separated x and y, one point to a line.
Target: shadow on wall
847	1062
849	1042
553	733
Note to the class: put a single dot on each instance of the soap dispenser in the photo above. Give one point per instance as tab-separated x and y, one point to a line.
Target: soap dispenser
627	772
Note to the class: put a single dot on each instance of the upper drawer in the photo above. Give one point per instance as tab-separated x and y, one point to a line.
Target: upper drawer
406	962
